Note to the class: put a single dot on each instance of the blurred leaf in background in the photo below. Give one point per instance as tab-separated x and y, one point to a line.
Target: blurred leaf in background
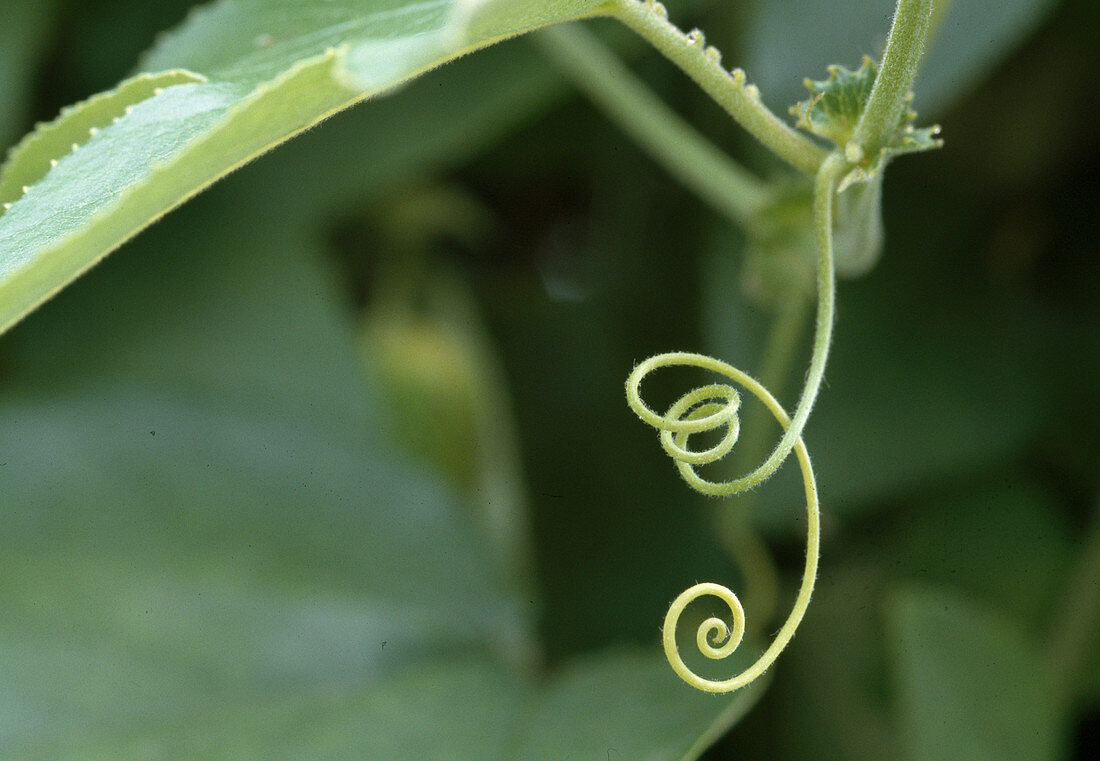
227	530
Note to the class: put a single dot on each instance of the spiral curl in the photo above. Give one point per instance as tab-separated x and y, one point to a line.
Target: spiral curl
710	408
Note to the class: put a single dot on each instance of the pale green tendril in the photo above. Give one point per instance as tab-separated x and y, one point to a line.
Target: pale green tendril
704	409
876	125
716	406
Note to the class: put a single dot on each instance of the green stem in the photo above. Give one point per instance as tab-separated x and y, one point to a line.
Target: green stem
688	156
1072	638
890	93
728	89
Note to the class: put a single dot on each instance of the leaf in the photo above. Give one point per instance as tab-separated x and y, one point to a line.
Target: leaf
999	540
273	68
971	38
922	393
33	158
833	111
263	576
361	155
838	652
1002	540
461	711
201	505
458	710
628	705
836	104
969	683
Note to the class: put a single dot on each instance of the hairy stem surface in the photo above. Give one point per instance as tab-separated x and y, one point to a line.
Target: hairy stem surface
890	93
727	89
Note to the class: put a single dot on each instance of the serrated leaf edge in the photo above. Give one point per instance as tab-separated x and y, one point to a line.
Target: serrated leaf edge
152	82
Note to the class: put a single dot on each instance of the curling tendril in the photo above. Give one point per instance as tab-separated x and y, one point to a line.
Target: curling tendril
714	407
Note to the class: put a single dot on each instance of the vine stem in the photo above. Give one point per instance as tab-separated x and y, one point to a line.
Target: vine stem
894	81
688	156
727	89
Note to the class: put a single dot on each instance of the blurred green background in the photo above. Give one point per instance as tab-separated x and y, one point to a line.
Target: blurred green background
429	305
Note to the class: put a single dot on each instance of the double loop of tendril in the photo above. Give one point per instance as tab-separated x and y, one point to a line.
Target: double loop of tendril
709	408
